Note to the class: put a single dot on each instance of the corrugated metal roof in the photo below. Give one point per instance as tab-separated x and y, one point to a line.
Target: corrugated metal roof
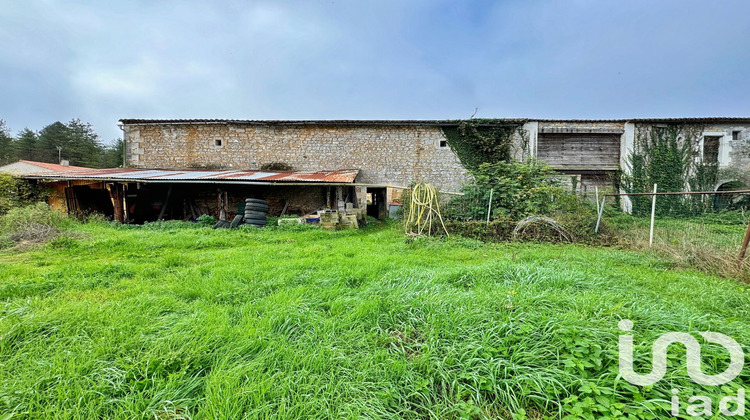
53	166
687	120
343	176
718	120
694	120
127	121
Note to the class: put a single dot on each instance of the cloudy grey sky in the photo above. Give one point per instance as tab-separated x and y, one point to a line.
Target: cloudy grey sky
102	61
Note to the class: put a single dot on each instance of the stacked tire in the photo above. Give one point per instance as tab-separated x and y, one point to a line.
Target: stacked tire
256	211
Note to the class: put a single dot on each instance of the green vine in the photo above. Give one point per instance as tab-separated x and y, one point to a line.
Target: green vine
479	141
669	157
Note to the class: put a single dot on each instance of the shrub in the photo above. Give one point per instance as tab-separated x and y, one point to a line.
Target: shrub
16	192
519	189
34	223
276	166
495	231
206	220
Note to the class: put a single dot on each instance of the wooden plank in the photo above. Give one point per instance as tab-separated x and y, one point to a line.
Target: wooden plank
576	150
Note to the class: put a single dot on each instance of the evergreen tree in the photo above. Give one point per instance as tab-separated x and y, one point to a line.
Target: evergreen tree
88	148
49	139
7	151
113	154
80	144
25	145
78	141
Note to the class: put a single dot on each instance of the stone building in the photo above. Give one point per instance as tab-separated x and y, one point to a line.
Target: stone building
203	157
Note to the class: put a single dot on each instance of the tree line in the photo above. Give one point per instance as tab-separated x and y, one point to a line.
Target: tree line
75	141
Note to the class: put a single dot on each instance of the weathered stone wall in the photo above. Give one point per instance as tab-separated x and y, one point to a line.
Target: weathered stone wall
396	155
734	154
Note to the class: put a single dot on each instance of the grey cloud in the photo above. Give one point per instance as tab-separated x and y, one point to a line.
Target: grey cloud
422	59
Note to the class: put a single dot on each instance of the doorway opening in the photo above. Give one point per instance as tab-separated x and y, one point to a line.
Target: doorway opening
377	203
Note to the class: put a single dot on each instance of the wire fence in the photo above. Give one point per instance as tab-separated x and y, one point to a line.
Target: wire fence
704	229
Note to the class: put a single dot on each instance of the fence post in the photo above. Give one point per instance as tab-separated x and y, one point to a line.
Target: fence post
744	247
596	193
601	210
489	206
653	212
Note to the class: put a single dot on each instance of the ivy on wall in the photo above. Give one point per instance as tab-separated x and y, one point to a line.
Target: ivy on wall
479	141
670	157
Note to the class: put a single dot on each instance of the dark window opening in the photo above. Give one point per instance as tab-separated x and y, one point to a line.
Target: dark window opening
711	149
735	135
217	142
443	143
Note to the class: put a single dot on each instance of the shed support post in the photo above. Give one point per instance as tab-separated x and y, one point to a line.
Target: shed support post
118	204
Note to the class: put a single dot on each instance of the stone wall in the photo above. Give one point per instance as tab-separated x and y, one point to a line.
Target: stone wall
393	154
734	154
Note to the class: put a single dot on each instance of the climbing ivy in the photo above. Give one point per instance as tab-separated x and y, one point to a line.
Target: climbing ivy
669	157
478	141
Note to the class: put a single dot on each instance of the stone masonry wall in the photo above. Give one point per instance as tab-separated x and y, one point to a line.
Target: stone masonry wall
734	154
396	155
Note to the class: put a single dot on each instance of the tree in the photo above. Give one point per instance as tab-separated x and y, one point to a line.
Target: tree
87	145
80	144
25	145
49	139
7	151
77	140
113	154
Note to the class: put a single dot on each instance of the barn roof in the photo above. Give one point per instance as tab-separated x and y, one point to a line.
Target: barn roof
53	166
442	123
343	176
127	121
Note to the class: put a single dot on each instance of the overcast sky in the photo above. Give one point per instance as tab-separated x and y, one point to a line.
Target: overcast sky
102	61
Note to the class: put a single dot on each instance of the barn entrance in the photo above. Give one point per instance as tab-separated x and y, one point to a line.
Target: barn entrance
377	203
82	201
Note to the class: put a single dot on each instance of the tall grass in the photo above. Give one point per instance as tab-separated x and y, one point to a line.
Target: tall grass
170	321
710	243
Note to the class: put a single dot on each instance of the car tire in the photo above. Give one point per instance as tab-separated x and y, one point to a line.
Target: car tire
252	213
256	207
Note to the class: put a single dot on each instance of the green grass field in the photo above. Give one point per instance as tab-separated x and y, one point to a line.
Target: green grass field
170	322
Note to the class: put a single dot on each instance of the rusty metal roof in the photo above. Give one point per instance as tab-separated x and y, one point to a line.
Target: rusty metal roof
343	176
53	166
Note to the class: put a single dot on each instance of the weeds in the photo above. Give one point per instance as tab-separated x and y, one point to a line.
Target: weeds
31	225
169	321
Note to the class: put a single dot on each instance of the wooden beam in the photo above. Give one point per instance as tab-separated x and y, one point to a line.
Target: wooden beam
118	204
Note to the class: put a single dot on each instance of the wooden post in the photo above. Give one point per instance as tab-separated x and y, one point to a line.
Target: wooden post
166	203
596	193
116	194
601	210
653	212
744	246
489	206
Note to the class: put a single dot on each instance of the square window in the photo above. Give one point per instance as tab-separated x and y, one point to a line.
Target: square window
736	135
217	142
443	143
